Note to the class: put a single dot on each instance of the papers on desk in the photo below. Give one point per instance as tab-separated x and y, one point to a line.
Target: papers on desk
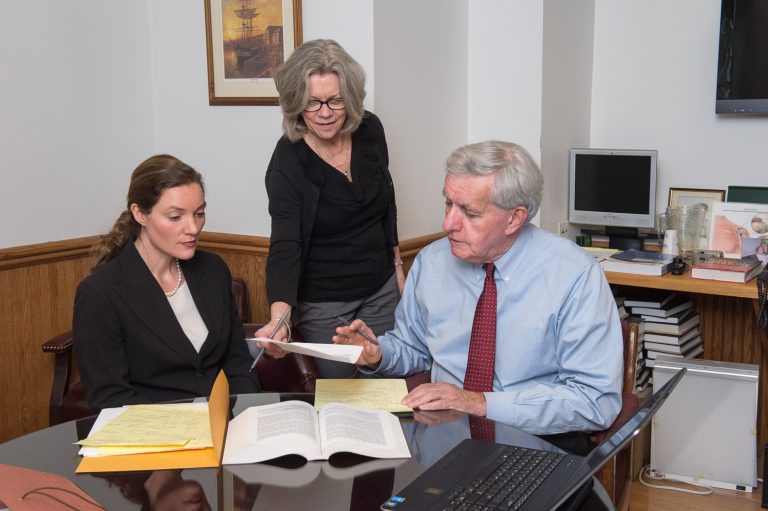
338	352
372	394
158	457
601	253
148	428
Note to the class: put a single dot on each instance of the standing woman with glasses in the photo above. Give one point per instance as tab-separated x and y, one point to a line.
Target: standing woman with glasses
333	249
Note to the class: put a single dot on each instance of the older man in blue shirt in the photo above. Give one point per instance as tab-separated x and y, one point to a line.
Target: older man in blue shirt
558	354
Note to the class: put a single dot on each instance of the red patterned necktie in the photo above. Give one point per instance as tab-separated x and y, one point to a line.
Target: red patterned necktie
482	352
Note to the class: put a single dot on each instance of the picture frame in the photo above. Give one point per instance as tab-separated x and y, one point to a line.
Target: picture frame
246	40
690	196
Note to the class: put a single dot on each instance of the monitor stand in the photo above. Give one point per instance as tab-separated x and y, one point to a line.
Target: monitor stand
625	243
622	232
624	238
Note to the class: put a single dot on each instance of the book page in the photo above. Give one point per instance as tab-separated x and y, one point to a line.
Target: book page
265	432
370	393
372	433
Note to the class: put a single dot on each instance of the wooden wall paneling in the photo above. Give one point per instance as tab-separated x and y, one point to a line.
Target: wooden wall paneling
36	301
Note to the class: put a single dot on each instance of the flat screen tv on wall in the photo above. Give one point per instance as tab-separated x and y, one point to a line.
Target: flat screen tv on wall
742	67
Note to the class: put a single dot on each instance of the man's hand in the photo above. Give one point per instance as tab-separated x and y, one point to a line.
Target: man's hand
371	354
444	396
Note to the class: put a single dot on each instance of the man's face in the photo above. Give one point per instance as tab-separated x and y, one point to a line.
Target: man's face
479	231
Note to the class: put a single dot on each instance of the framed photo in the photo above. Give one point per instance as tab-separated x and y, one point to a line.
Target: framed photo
246	41
739	229
690	196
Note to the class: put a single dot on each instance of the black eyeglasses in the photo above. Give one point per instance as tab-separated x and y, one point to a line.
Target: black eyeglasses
313	105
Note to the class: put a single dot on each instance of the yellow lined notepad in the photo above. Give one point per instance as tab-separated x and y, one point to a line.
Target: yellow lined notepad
374	393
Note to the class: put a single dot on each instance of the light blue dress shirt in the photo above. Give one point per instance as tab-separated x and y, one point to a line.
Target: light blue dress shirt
559	350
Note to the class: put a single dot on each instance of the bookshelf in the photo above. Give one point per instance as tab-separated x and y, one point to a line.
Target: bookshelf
727	327
685	283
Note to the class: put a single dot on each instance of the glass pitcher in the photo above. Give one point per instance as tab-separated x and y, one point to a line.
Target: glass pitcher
688	221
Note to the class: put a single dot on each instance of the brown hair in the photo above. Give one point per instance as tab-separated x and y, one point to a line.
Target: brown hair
148	181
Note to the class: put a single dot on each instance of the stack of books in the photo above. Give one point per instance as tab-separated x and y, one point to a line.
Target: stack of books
643	376
687	345
623	314
670	307
638	262
728	270
600	241
670	325
652	244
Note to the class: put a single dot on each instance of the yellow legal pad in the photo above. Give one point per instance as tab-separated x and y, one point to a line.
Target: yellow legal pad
372	393
182	456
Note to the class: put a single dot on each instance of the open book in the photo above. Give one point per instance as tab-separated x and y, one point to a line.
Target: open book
293	427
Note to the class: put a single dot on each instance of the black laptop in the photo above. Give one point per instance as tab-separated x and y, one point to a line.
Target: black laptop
486	475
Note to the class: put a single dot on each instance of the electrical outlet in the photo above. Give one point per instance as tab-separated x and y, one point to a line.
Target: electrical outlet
562	229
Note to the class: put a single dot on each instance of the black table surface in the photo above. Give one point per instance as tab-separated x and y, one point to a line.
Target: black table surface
345	482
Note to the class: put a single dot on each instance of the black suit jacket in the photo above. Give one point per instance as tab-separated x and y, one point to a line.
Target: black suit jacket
129	346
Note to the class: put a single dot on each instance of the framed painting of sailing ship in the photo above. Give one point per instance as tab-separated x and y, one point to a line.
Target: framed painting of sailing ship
246	41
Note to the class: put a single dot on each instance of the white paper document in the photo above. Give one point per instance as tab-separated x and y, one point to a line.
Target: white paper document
338	352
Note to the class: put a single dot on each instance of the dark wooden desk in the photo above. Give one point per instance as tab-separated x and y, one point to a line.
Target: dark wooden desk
347	482
727	326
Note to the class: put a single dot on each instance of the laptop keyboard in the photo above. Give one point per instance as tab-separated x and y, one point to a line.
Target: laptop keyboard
506	483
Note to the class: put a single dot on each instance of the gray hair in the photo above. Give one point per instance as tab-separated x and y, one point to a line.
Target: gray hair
292	81
519	181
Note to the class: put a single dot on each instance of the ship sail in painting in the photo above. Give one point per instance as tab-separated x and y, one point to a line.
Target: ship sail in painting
253	38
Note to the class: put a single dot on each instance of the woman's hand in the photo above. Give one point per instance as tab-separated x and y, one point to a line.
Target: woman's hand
280	316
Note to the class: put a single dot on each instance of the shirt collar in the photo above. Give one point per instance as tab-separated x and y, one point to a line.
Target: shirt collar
506	264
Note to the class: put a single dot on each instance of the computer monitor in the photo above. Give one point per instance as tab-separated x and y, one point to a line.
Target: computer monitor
612	187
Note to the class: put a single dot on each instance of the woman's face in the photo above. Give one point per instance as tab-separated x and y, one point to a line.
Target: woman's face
173	225
324	124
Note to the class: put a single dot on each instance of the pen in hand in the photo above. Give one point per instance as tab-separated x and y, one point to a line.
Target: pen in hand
280	323
367	337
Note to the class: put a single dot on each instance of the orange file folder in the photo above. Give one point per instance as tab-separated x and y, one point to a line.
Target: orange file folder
218	405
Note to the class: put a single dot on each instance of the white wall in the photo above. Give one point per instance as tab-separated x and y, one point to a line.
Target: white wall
566	98
421	97
655	65
75	115
505	72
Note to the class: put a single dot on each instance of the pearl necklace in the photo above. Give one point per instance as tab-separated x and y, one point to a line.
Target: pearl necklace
178	282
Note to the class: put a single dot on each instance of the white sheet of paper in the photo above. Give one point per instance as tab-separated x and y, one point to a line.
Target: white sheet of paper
338	352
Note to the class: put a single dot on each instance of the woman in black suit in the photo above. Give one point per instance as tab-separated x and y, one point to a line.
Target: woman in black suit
155	320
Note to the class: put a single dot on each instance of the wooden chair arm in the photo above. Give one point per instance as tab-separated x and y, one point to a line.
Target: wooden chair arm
59	344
